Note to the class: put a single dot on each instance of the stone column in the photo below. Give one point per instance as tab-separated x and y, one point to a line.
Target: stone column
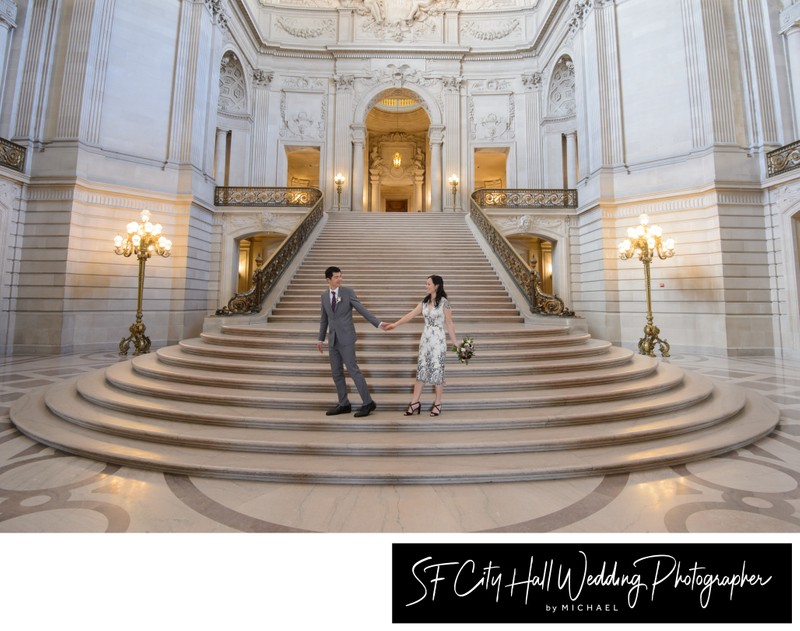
8	22
357	176
341	140
419	180
790	19
375	190
436	137
220	153
572	158
260	173
452	149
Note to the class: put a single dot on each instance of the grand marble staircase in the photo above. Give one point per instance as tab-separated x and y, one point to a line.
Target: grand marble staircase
538	401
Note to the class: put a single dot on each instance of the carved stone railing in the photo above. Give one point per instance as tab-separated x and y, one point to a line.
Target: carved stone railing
265	277
12	155
266	196
787	158
526	197
526	278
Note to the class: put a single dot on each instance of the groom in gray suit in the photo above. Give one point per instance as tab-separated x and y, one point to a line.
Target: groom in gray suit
336	319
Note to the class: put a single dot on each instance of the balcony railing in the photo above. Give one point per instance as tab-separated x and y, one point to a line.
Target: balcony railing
526	198
265	277
12	155
787	158
266	196
526	278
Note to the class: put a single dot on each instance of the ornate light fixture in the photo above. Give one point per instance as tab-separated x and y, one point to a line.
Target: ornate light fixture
454	186
645	241
143	239
397	160
339	181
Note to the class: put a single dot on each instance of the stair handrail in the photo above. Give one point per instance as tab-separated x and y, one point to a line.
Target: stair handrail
526	277
268	273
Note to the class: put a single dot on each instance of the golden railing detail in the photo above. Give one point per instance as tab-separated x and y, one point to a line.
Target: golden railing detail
787	158
526	197
12	155
526	278
265	277
266	196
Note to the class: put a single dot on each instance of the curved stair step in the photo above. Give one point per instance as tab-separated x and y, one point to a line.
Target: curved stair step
756	420
403	436
310	415
124	377
459	377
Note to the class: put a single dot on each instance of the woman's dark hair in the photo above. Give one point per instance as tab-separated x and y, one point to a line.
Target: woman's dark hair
440	292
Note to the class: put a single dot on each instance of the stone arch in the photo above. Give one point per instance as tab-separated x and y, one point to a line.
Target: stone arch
561	101
370	98
234	123
233	91
431	107
553	229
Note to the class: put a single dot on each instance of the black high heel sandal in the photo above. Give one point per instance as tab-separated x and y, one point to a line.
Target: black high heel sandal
438	409
413	408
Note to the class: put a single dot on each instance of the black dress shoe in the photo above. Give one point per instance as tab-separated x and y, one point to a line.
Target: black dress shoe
339	409
364	410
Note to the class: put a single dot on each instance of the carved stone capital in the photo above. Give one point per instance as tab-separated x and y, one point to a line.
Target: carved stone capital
262	78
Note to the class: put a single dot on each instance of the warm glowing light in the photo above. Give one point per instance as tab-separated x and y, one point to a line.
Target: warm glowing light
397	160
339	179
453	180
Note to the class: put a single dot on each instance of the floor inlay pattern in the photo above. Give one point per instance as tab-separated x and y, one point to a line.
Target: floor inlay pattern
755	489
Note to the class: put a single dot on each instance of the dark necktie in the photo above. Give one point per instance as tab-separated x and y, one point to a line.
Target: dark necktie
333	301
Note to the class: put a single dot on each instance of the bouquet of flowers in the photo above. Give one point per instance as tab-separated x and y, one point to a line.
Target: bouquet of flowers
466	350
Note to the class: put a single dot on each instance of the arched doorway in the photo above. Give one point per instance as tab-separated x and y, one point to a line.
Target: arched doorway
396	144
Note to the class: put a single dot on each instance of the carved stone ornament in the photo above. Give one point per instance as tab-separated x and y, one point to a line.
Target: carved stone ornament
494	32
561	100
487	121
399	20
299	118
344	82
532	80
218	13
306	29
232	86
262	78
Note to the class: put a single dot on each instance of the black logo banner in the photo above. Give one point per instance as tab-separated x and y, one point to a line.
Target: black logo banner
591	583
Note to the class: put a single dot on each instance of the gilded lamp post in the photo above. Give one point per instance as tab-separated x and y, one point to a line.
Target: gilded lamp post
645	241
143	239
339	181
454	187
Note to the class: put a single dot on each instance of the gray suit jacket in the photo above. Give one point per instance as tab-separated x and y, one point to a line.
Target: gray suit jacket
339	324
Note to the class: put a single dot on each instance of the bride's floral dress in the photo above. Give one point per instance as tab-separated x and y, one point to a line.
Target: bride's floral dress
432	344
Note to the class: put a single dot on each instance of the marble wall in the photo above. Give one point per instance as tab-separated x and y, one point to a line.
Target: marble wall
123	106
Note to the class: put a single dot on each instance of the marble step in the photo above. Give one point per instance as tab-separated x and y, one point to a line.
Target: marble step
756	420
401	437
247	359
309	414
318	394
391	341
460	378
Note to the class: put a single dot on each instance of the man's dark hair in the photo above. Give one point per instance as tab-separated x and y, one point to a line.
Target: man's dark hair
331	271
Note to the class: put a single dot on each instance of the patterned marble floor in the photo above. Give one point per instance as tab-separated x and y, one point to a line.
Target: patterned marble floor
753	490
751	494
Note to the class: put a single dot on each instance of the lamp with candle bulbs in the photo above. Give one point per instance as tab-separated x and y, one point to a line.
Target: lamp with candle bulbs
143	239
338	180
454	187
646	241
